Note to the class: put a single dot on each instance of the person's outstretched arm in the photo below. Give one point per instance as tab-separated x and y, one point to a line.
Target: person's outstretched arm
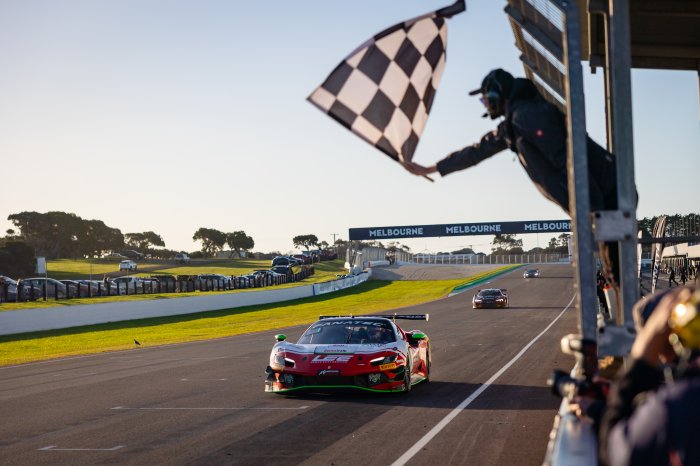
491	144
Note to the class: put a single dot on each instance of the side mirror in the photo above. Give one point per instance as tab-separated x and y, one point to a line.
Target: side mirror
280	337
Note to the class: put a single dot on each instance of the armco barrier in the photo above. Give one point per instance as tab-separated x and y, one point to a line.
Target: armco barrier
336	285
35	320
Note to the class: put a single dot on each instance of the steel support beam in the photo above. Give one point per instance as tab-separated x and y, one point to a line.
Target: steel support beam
577	168
619	87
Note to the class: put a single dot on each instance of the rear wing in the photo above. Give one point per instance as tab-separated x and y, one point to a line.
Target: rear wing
385	316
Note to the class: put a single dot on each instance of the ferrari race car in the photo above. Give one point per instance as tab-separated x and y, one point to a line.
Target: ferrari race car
531	273
370	353
490	297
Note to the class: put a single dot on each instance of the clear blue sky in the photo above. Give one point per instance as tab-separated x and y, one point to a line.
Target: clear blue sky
174	115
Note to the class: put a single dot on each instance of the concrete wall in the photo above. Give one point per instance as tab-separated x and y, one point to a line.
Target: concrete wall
34	320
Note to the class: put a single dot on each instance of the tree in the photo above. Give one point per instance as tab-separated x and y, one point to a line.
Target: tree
238	241
98	238
212	240
506	244
305	241
558	245
61	234
143	241
17	259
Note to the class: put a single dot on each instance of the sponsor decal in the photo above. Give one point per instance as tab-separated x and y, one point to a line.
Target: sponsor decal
339	358
457	229
346	322
329	372
386	367
333	349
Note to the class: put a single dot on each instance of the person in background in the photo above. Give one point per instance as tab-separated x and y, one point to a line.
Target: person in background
672	277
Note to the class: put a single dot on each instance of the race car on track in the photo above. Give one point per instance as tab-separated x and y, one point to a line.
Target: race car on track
370	353
531	273
490	297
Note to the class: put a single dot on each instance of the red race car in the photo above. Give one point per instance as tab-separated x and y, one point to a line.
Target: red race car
368	353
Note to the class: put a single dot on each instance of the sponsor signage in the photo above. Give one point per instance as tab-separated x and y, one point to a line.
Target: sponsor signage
460	229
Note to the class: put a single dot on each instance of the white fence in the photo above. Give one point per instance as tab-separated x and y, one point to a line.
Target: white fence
476	259
35	320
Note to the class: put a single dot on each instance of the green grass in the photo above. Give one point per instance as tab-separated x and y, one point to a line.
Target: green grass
369	297
69	269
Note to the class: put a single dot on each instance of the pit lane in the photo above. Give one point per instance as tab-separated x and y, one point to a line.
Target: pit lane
203	402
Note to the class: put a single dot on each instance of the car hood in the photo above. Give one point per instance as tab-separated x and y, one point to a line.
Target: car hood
365	348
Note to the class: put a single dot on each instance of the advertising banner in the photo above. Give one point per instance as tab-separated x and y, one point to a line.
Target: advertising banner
460	229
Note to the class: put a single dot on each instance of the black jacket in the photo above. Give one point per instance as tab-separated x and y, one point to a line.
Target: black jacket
648	423
536	130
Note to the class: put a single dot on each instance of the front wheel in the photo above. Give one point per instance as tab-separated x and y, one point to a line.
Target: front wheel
428	363
407	378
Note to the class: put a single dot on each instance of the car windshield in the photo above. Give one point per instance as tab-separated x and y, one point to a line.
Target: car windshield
348	332
490	293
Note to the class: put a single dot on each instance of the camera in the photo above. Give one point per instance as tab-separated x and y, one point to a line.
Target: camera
685	322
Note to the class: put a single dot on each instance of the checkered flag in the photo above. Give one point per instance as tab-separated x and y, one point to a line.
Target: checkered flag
383	91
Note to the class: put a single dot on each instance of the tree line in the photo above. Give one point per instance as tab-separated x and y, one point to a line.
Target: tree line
66	235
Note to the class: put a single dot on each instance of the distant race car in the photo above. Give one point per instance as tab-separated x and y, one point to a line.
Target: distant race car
490	297
531	273
370	353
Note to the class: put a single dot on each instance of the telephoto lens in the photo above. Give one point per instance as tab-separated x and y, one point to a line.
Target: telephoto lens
685	322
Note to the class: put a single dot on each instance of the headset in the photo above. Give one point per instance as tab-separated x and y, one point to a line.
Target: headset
492	96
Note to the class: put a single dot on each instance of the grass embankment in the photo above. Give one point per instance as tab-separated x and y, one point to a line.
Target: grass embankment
77	269
366	298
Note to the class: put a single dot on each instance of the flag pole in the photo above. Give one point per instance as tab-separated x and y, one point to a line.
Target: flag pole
449	11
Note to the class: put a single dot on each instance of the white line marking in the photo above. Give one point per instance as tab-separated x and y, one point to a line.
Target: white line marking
411	452
53	448
124	408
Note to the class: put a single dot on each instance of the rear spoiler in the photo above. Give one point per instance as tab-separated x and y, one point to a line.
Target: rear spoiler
385	316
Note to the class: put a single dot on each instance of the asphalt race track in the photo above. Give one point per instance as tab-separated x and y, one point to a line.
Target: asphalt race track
203	403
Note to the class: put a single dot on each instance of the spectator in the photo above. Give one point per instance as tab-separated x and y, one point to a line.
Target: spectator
648	421
672	277
684	276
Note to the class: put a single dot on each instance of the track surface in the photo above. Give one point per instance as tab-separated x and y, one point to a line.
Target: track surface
203	402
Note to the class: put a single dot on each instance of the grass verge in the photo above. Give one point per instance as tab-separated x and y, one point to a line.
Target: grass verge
366	298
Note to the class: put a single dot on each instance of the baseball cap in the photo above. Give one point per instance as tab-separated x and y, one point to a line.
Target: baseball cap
498	80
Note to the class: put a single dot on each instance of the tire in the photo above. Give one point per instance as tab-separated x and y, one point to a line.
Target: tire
428	364
407	378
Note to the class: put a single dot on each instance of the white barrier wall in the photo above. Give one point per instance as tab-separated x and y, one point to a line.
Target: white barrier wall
336	285
35	320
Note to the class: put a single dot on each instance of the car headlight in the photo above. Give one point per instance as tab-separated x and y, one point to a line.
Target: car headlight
477	300
500	300
383	360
